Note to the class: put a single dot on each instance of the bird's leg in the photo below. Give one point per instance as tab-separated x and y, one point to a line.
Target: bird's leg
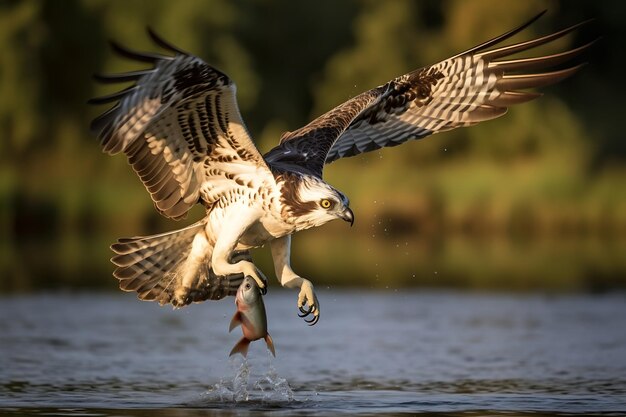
281	249
234	227
188	273
215	287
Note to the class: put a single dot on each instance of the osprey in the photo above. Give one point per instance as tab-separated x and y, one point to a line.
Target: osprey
180	127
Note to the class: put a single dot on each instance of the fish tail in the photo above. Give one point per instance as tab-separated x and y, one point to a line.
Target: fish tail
241	347
270	344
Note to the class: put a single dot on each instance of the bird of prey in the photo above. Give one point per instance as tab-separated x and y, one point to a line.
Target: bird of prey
180	127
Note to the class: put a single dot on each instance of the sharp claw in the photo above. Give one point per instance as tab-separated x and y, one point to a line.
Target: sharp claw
308	304
264	290
305	312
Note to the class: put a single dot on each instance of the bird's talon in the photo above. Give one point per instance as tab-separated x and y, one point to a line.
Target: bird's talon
303	315
308	304
313	321
305	312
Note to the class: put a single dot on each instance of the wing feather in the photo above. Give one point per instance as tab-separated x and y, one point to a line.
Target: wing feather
174	125
466	89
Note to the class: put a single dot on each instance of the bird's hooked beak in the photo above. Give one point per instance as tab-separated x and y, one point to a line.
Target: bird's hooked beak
347	215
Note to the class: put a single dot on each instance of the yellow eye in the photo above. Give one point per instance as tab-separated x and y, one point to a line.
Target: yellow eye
325	203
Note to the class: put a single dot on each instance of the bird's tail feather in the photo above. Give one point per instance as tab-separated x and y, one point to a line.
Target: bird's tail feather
153	266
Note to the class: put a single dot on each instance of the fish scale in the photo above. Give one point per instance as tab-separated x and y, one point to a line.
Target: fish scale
251	316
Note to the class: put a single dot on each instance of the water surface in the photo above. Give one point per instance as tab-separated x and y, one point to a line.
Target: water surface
375	353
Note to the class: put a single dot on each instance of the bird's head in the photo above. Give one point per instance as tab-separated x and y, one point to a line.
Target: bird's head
312	202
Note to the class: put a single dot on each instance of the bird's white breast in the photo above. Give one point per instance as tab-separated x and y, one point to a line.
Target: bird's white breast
258	206
270	225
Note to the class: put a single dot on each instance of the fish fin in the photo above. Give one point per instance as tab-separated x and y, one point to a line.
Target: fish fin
241	347
270	344
235	321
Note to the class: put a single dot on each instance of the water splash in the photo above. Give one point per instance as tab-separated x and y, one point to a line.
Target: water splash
273	387
267	387
240	382
231	390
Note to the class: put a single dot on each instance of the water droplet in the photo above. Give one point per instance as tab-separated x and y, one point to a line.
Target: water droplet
240	382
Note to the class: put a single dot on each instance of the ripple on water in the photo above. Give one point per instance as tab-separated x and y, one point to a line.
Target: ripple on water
406	353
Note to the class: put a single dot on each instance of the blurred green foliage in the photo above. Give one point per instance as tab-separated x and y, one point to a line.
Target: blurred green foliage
534	199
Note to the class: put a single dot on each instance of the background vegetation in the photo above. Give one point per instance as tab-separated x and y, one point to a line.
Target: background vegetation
534	200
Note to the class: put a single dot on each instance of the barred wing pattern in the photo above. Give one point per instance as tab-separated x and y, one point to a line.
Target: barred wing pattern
461	91
179	125
150	266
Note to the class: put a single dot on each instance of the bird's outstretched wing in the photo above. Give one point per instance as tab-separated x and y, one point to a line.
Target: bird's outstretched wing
179	125
461	91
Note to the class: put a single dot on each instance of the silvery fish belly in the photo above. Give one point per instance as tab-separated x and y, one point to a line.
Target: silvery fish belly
251	316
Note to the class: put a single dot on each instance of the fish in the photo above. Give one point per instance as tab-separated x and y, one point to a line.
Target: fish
251	316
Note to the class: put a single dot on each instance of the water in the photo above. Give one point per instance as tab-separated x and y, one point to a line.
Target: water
373	353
